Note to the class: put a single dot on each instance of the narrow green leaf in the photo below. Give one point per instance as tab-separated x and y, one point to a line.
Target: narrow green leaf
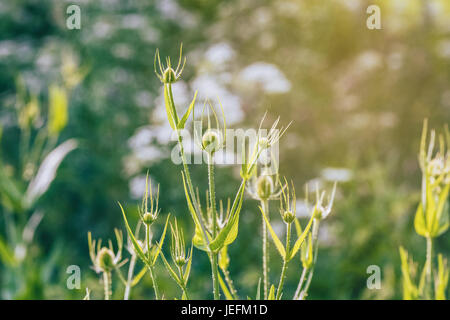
409	289
224	259
169	107
139	276
275	238
224	287
419	222
172	273
161	240
271	293
258	290
136	245
183	120
300	239
187	271
229	233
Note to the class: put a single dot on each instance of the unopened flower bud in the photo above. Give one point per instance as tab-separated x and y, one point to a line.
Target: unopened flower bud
288	216
148	218
105	259
264	187
211	141
169	75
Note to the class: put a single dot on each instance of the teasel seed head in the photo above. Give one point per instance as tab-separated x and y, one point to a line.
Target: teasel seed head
288	217
264	187
211	141
148	218
105	259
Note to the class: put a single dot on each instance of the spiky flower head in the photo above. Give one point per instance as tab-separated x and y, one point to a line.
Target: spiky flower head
178	249
103	258
214	138
149	214
288	205
166	73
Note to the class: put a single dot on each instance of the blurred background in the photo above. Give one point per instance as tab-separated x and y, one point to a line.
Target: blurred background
357	99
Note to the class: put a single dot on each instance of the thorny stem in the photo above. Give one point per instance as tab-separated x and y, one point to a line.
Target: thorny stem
107	284
429	268
265	248
285	262
229	282
182	284
155	283
126	295
315	237
215	275
190	186
300	283
150	267
212	194
214	256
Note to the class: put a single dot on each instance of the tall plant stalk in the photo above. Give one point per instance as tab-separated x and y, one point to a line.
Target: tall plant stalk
285	262
265	249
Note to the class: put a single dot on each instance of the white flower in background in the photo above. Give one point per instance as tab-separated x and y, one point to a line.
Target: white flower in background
267	76
337	174
302	209
210	87
219	54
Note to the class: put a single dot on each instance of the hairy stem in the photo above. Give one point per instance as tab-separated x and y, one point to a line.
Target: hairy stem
429	269
155	283
265	249
229	282
315	237
126	295
212	194
107	284
285	262
300	283
215	275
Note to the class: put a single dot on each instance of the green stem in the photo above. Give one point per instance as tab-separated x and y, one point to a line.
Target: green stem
300	283
107	285
429	268
315	237
191	188
182	284
126	295
215	275
155	283
285	262
229	282
212	194
265	248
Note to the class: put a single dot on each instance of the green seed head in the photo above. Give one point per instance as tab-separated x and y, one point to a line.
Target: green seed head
211	141
148	218
105	259
169	76
264	187
288	216
180	261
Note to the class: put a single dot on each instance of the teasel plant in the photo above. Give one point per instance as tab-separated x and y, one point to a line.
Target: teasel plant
310	248
180	259
288	251
212	233
431	219
147	250
263	187
105	260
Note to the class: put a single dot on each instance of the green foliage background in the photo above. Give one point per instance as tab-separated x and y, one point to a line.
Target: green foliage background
357	101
